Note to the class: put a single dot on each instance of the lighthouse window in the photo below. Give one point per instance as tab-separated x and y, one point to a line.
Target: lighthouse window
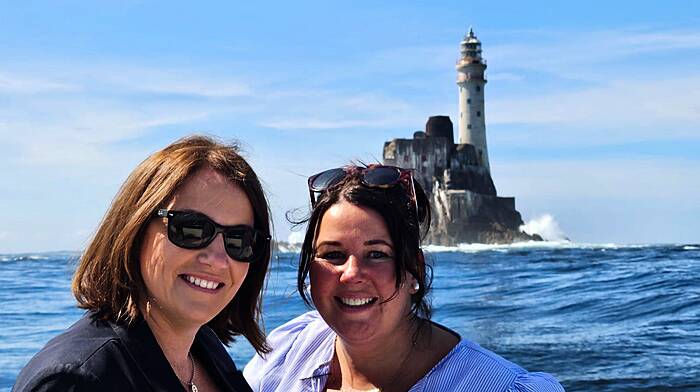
469	126
478	114
469	100
478	88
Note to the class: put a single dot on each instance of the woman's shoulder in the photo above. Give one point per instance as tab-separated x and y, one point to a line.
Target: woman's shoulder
302	330
299	346
471	367
69	358
307	330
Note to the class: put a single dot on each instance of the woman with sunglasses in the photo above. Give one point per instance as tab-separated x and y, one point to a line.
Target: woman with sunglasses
175	268
368	281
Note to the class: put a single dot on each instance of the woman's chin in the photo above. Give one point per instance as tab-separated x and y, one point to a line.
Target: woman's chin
355	332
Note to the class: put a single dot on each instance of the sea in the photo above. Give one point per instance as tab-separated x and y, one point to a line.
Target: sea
599	317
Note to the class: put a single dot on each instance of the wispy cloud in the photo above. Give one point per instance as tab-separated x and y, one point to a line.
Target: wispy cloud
621	179
16	84
335	110
73	116
505	76
632	109
83	109
574	54
169	80
610	100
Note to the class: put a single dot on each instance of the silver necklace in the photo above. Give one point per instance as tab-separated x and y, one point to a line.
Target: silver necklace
190	384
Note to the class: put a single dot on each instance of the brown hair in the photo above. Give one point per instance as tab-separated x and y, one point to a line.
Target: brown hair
397	209
108	279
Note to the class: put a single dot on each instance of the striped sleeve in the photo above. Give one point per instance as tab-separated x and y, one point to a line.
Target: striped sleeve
470	367
535	382
295	354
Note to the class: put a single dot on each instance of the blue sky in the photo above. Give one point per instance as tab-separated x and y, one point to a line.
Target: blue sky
592	110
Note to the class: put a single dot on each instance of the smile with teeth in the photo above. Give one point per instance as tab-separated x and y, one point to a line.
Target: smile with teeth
356	301
205	284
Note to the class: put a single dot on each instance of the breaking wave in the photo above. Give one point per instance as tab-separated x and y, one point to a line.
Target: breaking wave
472	248
546	226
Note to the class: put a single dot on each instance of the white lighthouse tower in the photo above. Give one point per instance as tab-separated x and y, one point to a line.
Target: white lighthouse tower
471	81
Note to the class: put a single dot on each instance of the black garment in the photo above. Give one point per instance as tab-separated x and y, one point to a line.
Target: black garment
103	356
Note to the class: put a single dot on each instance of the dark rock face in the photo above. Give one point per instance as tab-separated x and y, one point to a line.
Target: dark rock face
463	216
466	208
473	178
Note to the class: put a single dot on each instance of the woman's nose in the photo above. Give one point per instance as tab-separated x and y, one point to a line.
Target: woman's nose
215	253
352	271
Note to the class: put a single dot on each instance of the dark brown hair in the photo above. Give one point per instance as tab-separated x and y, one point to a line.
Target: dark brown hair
108	279
396	207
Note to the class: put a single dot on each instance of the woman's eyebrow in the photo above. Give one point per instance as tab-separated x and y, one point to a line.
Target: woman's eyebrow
380	242
328	243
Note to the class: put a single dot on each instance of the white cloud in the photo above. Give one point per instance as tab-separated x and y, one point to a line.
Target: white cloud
658	180
611	105
665	108
333	110
20	84
69	132
73	116
77	111
176	81
505	76
579	54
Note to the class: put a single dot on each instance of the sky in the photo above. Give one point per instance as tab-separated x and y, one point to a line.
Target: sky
592	108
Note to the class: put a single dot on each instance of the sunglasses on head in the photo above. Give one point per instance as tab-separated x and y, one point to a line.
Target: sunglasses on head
194	230
372	176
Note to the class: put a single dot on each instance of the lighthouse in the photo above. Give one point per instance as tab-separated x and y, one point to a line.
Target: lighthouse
456	176
471	81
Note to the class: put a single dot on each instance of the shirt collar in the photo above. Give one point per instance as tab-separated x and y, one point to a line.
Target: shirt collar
148	355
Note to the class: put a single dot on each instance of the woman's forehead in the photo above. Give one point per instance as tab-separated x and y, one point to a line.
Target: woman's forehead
346	222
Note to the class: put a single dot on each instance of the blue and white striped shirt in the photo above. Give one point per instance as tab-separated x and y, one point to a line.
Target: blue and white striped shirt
303	349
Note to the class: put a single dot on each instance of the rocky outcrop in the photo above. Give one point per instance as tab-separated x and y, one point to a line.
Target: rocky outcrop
466	207
464	216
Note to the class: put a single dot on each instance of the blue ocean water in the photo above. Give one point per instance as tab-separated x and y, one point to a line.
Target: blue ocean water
598	317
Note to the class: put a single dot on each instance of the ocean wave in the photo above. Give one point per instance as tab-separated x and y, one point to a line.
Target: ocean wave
23	257
38	256
472	248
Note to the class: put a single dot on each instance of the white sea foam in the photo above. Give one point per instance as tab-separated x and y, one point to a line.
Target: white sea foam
285	247
39	256
546	226
23	257
296	237
690	247
473	248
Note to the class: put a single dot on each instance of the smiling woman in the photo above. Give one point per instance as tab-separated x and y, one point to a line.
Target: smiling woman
175	268
371	330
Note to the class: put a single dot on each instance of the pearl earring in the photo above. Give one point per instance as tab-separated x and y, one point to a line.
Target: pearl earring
416	285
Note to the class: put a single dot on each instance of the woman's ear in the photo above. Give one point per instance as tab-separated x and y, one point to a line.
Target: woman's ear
415	286
415	283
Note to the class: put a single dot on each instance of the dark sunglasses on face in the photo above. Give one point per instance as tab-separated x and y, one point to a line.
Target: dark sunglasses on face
372	176
194	230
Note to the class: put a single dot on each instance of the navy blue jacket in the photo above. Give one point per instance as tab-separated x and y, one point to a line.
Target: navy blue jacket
103	356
